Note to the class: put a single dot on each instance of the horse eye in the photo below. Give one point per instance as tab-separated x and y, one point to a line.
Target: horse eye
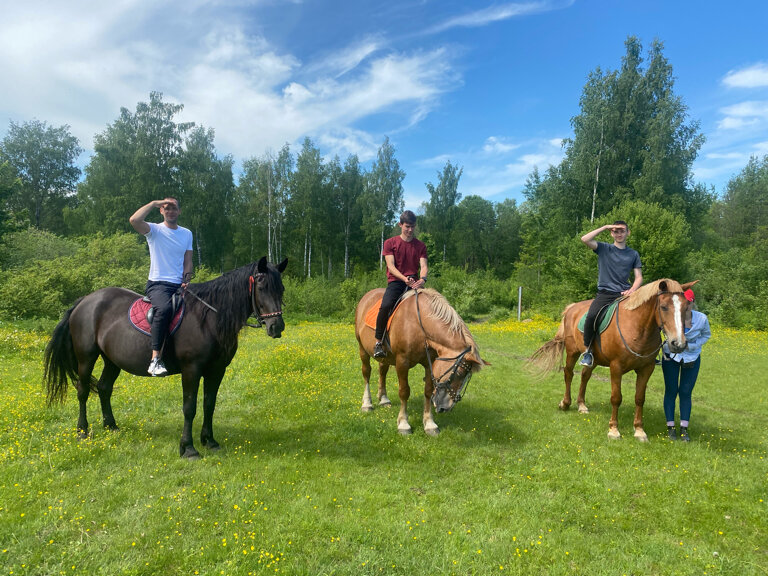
664	308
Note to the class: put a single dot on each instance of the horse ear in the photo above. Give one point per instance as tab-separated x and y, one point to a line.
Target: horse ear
688	285
663	286
262	265
282	266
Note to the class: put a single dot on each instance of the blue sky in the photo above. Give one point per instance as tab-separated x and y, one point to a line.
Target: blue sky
489	85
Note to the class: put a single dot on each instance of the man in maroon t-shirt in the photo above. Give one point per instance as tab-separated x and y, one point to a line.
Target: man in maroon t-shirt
406	259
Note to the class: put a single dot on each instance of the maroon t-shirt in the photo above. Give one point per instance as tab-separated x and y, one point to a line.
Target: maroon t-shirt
407	255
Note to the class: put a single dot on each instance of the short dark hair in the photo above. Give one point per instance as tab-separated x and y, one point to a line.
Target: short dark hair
408	217
621	223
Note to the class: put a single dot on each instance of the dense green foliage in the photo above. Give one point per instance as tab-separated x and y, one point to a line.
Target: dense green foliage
630	158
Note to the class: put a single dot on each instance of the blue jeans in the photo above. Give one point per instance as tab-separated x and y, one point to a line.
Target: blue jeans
679	380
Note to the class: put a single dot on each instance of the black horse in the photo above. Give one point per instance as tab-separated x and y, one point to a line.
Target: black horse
203	346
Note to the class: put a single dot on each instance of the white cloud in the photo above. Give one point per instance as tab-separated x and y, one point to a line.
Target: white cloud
743	115
754	76
80	63
494	13
494	145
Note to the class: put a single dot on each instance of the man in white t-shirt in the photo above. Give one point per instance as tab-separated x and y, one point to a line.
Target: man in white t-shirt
170	255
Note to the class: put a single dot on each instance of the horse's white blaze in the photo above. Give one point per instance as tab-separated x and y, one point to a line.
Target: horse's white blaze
677	301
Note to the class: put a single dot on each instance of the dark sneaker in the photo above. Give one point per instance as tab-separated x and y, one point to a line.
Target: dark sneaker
684	435
378	351
157	368
671	434
587	360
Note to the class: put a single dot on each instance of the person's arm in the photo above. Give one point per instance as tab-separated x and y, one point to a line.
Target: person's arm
638	273
189	267
390	260
589	237
139	217
423	271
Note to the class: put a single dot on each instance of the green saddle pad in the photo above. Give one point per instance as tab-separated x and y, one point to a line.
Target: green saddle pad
606	318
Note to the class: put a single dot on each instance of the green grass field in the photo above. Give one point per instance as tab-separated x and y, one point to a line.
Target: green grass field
307	484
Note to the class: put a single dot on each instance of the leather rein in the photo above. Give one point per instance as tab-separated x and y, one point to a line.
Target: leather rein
443	383
660	324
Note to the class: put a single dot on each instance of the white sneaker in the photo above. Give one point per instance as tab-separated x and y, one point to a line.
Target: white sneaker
157	368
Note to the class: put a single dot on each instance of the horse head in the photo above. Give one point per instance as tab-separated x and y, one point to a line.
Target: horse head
457	356
451	376
266	288
673	308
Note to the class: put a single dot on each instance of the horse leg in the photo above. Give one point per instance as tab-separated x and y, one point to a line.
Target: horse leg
83	387
405	392
382	394
570	362
586	374
190	382
211	383
365	359
430	427
643	375
613	425
105	387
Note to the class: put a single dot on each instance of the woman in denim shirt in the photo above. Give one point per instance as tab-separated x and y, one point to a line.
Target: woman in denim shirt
681	370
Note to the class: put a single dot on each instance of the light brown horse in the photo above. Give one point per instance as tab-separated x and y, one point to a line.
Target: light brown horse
425	330
630	342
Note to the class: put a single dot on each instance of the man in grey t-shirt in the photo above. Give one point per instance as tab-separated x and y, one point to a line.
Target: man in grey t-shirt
614	262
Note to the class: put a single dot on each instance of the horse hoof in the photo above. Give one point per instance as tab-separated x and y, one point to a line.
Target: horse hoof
83	434
614	434
190	453
368	408
112	426
384	401
583	409
563	406
405	431
641	435
432	431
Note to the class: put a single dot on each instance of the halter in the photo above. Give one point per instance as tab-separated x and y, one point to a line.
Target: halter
660	324
255	309
442	383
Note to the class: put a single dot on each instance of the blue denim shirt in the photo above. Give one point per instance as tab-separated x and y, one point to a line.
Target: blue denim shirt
696	336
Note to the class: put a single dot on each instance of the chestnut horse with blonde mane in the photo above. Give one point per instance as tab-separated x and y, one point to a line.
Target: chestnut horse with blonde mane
630	342
424	330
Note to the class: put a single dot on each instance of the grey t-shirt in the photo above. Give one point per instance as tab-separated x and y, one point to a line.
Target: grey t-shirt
614	266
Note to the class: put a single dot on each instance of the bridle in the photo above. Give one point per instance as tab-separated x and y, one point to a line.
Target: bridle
660	323
255	309
443	383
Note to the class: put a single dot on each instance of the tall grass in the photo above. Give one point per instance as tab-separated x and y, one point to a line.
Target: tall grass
307	484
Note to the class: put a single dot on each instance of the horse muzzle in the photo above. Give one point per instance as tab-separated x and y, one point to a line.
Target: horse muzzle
675	346
275	327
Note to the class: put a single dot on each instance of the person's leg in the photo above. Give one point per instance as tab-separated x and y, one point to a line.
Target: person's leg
601	300
161	296
671	370
391	295
688	375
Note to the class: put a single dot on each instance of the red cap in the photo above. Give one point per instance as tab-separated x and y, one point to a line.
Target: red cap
689	295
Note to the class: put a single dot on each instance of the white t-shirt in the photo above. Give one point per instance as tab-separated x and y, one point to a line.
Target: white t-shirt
167	247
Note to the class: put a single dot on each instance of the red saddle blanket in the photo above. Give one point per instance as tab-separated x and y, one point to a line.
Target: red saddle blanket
138	316
373	312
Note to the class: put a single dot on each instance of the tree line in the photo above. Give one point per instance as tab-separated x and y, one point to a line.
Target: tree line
629	158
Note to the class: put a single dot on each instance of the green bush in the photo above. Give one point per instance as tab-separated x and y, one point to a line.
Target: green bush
44	288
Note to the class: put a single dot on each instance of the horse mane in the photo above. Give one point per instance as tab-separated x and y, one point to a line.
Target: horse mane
229	295
443	312
649	291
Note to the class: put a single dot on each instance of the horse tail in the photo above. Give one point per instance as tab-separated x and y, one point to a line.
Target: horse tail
60	360
550	356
